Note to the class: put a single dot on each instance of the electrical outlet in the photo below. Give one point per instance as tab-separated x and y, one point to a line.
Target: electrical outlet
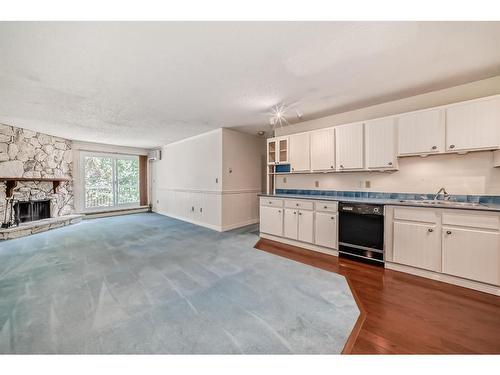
284	180
316	183
368	184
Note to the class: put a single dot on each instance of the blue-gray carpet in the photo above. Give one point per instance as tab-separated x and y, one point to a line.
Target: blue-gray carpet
147	283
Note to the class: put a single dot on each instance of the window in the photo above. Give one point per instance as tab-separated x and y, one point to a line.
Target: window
110	180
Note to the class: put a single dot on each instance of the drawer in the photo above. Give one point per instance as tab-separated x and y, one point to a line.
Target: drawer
301	204
425	215
327	206
475	220
273	202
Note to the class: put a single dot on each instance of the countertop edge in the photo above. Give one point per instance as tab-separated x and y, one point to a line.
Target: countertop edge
387	202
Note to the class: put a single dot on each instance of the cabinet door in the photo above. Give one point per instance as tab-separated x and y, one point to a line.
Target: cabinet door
291	222
349	146
271	220
326	230
421	133
306	226
381	143
272	149
300	157
417	245
473	125
472	254
323	150
282	150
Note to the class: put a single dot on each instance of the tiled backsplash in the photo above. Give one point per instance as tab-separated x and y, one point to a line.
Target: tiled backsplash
487	199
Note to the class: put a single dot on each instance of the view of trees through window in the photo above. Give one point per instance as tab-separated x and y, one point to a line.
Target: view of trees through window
111	181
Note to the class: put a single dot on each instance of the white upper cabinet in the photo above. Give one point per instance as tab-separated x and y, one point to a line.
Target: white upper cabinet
349	146
421	133
381	144
323	150
300	157
474	125
277	150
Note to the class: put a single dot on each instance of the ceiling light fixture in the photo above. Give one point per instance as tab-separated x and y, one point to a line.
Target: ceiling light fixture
278	116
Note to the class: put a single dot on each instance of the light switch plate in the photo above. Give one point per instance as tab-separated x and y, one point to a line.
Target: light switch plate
316	183
368	184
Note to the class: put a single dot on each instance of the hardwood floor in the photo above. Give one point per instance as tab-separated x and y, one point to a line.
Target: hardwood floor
406	314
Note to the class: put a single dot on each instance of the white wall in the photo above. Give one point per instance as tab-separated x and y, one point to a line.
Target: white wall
211	179
460	174
78	147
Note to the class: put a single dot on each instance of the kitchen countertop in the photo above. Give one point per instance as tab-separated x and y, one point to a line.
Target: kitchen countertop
392	202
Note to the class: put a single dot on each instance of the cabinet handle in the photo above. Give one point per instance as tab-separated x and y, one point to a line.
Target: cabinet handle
325	207
448	232
270	202
332	218
279	211
390	163
452	146
293	169
430	230
331	166
434	147
300	213
295	212
297	204
341	166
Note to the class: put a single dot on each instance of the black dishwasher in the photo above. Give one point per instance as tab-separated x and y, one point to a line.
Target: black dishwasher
361	231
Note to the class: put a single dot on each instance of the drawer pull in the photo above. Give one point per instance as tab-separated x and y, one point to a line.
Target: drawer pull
297	205
390	163
434	147
300	213
448	232
430	230
295	212
325	207
332	218
452	146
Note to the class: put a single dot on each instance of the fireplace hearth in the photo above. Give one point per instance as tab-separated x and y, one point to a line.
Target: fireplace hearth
26	211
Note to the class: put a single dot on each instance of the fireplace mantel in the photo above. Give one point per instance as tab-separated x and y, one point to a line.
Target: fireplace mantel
11	182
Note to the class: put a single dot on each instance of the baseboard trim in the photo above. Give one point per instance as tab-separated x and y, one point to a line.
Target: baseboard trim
96	215
240	224
190	221
486	288
304	245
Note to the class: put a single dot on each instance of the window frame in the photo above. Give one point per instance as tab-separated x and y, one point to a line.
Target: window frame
114	157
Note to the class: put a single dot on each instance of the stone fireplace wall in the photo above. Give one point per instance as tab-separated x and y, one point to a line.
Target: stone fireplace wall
24	153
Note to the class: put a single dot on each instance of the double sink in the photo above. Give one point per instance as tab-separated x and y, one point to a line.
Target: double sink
440	203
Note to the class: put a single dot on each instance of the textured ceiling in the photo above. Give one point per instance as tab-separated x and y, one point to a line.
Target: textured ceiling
150	83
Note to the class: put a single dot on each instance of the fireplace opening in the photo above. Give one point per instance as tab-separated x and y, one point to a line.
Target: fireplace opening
32	210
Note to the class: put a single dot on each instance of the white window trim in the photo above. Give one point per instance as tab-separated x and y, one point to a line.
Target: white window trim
83	155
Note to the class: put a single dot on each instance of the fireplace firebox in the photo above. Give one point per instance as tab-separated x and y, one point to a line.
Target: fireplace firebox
31	210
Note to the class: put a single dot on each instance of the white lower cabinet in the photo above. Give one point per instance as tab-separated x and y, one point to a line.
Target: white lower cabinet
472	254
291	224
326	229
459	243
306	226
271	220
298	225
417	245
306	221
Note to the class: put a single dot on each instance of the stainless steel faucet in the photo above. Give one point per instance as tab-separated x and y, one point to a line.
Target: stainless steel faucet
446	196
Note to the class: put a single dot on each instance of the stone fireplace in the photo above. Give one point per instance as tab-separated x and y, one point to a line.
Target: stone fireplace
35	158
